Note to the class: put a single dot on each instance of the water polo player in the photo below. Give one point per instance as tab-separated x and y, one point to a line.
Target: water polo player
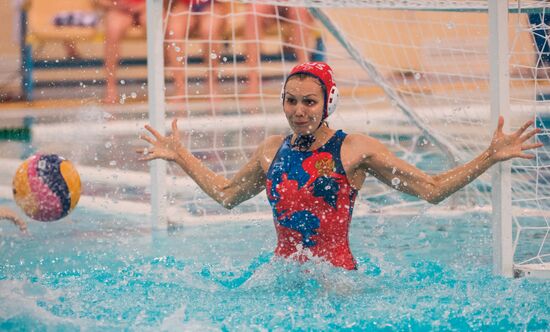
312	176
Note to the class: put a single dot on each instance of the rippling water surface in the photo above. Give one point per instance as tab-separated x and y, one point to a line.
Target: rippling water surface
101	272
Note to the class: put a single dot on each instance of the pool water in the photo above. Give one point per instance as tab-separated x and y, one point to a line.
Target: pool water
104	271
94	271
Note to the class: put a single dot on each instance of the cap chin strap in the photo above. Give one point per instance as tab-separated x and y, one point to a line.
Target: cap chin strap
304	142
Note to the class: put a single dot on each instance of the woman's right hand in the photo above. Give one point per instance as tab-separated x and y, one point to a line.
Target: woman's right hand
162	147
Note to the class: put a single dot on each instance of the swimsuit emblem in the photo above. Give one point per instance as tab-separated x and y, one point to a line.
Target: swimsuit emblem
325	167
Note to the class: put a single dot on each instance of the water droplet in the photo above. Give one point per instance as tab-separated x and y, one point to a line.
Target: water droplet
395	182
213	56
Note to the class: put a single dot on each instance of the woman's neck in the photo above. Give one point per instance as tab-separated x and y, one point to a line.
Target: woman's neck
322	135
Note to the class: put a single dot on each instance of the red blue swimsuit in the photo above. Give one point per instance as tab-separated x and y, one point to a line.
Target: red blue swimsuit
312	202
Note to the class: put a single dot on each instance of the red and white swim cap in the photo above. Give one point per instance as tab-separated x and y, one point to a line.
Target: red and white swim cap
324	73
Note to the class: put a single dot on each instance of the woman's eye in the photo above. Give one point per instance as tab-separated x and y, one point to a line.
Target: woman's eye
291	100
309	102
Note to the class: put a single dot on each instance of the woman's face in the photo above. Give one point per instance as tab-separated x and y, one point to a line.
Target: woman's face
303	104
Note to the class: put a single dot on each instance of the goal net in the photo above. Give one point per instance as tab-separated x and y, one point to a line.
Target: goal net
414	74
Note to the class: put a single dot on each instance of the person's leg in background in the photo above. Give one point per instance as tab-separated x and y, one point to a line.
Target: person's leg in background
180	24
300	32
211	29
117	23
253	34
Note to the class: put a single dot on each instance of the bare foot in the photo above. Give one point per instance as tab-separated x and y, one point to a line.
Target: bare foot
108	100
73	54
72	51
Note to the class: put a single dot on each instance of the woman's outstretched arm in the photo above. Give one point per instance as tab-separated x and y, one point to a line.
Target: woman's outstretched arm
248	182
383	164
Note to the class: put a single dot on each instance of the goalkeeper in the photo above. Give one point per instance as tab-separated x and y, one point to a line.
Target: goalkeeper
312	176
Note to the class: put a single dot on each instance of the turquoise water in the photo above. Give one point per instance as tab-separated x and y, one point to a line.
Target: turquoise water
95	271
103	272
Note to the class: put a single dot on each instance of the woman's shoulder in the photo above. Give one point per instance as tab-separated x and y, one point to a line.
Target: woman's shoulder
268	149
273	141
270	145
358	138
361	142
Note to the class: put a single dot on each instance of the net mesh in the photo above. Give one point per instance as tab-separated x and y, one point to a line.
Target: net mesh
433	5
414	74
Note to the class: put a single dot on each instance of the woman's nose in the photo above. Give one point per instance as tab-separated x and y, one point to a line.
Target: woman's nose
300	109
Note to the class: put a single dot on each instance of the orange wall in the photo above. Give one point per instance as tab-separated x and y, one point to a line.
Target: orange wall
376	28
422	40
8	47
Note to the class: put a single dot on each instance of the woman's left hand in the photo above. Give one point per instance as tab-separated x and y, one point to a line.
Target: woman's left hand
504	147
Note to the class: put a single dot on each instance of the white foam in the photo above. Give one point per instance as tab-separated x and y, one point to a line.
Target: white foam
19	298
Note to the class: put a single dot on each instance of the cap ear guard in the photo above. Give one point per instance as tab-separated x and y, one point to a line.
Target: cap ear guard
332	100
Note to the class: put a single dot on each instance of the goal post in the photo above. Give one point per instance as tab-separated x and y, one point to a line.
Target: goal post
156	85
500	106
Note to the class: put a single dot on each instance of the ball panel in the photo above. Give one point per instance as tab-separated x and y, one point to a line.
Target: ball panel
22	192
50	173
72	178
50	203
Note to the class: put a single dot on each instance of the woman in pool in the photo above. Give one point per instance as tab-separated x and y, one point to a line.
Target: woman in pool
312	176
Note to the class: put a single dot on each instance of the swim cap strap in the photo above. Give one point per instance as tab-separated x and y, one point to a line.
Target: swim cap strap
303	142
